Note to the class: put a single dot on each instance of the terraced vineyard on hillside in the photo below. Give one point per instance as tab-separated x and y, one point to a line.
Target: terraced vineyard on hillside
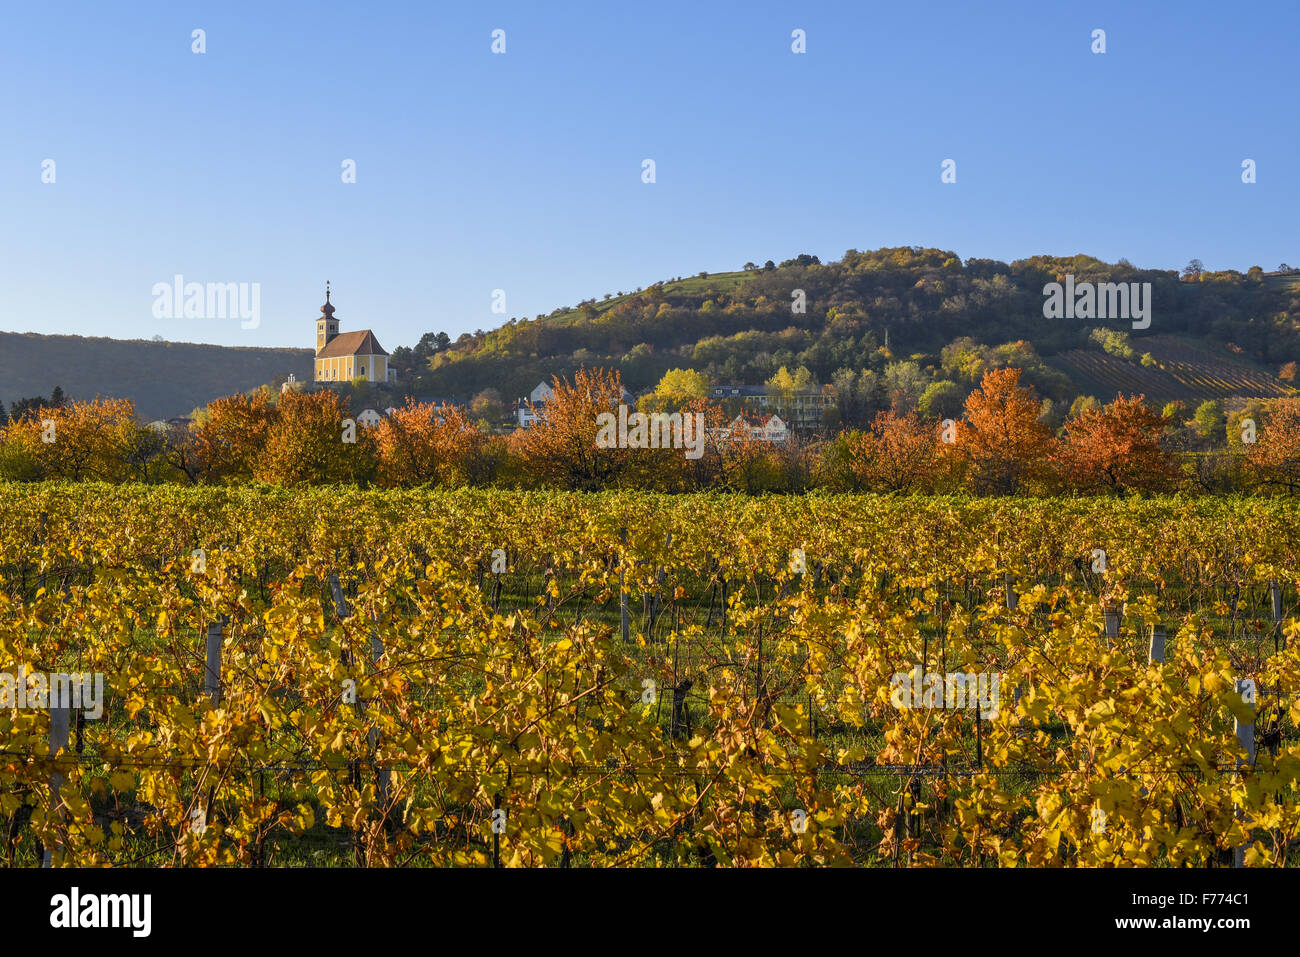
1182	371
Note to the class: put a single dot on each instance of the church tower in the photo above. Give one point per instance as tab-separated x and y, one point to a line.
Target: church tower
347	356
327	327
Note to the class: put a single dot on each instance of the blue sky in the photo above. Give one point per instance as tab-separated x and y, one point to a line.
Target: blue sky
522	171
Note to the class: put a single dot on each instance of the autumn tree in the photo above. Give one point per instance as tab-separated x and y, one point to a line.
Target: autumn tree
308	443
560	448
705	471
96	440
141	453
228	438
1001	441
1081	403
21	456
783	386
753	466
676	388
1243	425
941	399
1209	420
488	407
1273	460
1118	448
180	455
904	384
426	444
897	453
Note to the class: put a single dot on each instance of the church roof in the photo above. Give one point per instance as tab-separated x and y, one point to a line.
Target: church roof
359	343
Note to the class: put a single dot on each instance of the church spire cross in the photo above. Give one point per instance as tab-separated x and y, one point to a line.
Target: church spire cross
328	308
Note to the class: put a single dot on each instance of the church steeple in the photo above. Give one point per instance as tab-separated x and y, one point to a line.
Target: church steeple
327	327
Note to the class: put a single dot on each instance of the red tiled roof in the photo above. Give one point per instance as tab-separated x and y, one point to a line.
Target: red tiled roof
756	421
359	343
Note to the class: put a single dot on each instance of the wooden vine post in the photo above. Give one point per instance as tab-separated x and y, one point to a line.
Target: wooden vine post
382	775
212	669
59	715
1112	615
1275	592
1156	650
1246	741
622	586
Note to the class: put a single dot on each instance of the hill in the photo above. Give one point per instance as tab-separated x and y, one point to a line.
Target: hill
163	378
1211	335
872	323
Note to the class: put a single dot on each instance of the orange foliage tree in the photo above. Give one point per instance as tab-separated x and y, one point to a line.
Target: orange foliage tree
705	471
1001	441
560	448
1117	448
1273	460
424	444
750	465
95	440
307	443
896	454
232	434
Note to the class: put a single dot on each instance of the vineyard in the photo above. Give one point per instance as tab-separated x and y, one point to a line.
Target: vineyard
1181	372
335	677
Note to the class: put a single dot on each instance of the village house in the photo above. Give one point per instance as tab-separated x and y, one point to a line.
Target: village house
766	428
802	410
529	410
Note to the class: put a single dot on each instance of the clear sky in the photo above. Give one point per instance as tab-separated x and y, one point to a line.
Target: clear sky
522	171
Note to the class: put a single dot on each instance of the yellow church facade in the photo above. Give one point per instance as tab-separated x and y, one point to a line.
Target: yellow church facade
342	357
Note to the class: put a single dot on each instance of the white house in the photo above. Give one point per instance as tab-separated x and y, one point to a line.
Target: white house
768	428
530	409
802	410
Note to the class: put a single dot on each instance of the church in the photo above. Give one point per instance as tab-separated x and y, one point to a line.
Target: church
342	357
